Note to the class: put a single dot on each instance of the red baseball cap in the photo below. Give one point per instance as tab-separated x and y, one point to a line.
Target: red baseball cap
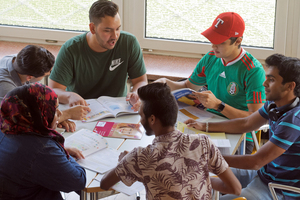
225	26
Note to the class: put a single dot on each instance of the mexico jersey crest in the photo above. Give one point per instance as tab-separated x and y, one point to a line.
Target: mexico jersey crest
232	88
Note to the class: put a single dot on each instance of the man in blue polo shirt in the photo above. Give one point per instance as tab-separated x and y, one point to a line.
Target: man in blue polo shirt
278	160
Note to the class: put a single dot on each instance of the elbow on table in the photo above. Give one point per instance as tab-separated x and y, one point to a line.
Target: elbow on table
74	185
104	185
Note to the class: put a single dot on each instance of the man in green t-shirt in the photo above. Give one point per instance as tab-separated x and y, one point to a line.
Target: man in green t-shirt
99	62
233	76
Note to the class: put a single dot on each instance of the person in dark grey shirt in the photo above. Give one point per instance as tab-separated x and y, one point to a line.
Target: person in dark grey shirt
31	65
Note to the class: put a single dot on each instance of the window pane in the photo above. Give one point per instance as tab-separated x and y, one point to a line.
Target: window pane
186	19
55	14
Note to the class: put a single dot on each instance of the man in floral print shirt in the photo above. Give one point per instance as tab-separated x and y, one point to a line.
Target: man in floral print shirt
175	165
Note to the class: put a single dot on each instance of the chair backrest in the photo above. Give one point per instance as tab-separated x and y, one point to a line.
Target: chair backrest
258	138
273	186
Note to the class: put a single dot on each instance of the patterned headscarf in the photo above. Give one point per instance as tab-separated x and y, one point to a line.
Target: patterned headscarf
30	109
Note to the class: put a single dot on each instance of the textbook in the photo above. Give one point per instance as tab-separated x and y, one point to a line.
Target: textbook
105	106
119	130
219	139
98	156
189	106
191	112
186	96
121	187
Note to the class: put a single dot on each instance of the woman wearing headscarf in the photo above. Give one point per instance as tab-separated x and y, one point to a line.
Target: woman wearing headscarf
34	164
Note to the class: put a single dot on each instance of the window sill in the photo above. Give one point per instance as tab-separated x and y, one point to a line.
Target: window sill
158	66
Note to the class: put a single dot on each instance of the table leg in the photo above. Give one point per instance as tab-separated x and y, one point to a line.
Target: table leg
94	196
83	195
255	140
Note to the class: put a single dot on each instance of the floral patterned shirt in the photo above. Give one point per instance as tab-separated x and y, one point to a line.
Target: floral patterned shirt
174	166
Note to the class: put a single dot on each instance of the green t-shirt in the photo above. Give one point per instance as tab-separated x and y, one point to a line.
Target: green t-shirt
91	74
237	84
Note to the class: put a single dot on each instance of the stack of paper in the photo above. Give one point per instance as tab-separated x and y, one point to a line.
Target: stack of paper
219	139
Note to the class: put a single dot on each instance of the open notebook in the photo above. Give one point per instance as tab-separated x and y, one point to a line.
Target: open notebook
98	156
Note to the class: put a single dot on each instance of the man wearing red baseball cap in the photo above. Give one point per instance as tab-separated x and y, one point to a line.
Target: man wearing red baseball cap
233	76
225	26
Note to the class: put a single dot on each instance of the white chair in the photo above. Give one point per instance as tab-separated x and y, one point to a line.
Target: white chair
273	186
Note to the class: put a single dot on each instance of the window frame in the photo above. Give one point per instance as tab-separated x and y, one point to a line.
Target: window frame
287	26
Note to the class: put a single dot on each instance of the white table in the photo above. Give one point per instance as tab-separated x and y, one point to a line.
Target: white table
92	187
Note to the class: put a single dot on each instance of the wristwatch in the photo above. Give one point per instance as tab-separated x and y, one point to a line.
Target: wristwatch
221	107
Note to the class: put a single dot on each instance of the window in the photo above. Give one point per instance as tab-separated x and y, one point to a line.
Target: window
172	25
163	26
59	14
40	20
184	20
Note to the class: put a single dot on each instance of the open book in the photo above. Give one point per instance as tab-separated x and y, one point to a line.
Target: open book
106	106
119	130
191	112
219	139
189	106
186	96
98	156
121	187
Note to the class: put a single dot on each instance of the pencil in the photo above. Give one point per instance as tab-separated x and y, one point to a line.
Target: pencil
121	144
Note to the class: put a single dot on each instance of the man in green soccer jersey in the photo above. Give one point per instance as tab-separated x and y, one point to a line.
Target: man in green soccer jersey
234	77
99	62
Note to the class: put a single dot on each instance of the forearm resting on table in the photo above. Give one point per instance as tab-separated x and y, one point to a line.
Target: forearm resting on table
239	125
64	116
109	180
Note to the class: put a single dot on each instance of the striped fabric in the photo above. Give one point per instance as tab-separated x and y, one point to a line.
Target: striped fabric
285	133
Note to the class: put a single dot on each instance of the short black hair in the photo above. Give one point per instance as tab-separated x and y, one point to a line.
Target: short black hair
102	8
34	61
158	101
233	39
288	68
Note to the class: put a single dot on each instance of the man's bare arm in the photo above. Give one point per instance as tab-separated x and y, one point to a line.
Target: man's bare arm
239	125
232	113
226	183
139	82
175	85
109	180
66	97
267	153
209	100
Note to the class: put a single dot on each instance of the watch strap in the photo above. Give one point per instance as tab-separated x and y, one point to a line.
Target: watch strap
221	107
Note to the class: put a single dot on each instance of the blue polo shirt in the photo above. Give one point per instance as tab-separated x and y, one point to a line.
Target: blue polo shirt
285	133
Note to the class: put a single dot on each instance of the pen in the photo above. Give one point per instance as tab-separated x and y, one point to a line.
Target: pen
128	102
137	196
